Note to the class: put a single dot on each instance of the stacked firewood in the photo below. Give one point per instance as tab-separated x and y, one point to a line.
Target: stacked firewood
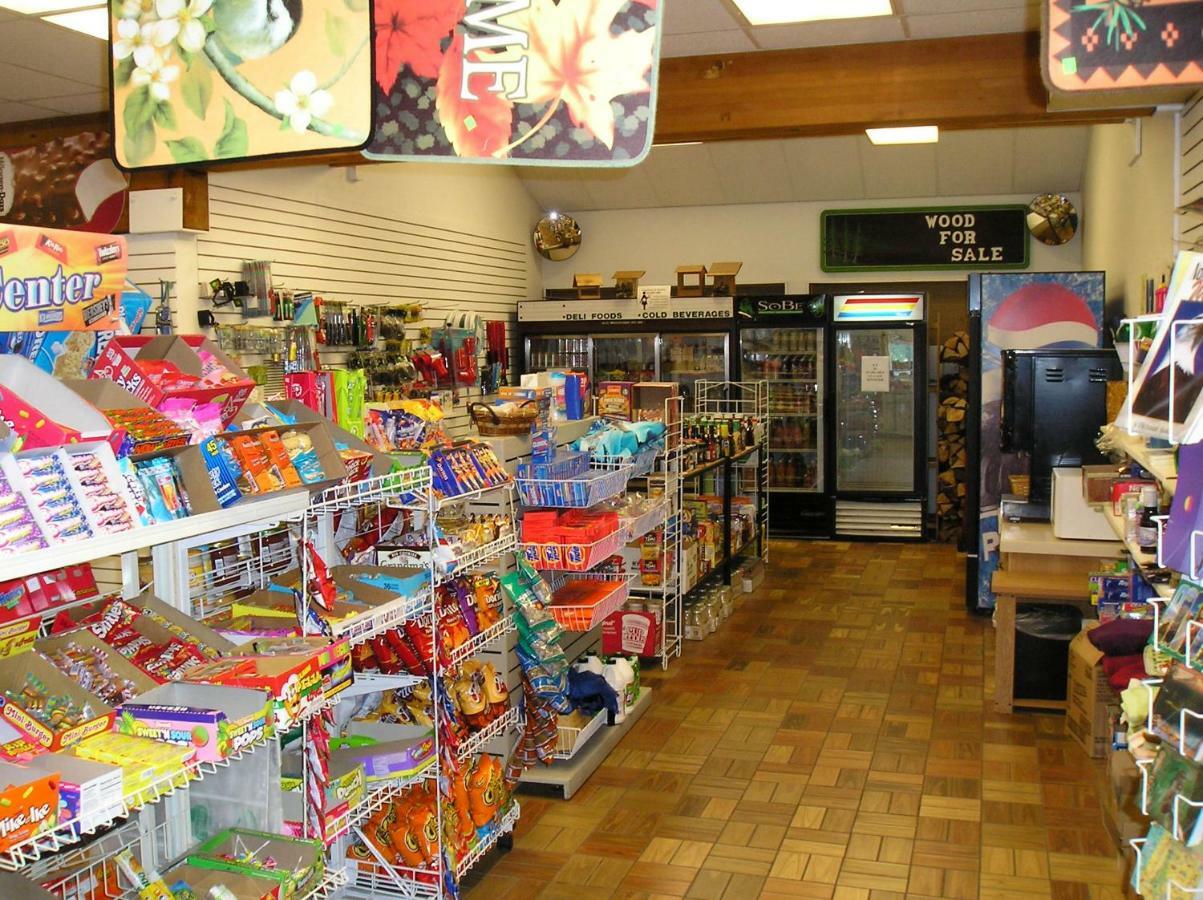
952	423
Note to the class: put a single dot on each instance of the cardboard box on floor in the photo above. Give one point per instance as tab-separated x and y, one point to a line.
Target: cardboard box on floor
1088	717
1121	799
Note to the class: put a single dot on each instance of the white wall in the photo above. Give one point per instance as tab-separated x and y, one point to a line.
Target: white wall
775	241
1130	197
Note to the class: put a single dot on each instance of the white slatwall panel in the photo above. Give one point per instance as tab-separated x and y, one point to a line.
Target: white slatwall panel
360	258
153	257
1192	167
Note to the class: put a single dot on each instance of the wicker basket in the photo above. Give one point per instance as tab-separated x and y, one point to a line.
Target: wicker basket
489	424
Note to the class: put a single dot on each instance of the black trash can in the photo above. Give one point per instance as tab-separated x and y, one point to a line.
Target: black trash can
1042	636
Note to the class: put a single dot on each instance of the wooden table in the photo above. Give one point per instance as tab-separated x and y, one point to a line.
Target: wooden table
1038	567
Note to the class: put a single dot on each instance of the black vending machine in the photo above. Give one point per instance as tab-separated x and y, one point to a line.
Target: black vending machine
783	341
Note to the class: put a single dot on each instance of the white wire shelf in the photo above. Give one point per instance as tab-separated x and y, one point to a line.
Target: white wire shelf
475	645
477	853
330	886
574	557
442	502
378	794
572	740
28	852
393	487
374	682
647	522
503	724
482	555
368	625
272	508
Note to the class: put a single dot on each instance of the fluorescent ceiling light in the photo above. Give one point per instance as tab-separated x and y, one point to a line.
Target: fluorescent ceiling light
679	144
915	134
92	22
780	12
41	7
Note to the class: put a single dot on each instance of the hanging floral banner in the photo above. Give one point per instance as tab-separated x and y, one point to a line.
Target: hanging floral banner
196	81
1110	45
535	82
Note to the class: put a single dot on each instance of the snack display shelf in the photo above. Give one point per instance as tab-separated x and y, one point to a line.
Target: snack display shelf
596	485
21	856
647	522
641	463
372	880
554	557
504	723
377	796
572	740
273	508
479	556
85	871
368	625
399	484
502	828
443	502
471	647
374	682
583	617
1144	560
247	573
331	885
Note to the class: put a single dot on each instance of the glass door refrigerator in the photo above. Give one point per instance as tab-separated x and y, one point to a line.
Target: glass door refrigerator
689	357
879	440
783	341
624	357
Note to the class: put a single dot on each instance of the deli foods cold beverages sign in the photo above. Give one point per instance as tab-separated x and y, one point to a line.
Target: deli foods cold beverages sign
536	82
975	237
54	280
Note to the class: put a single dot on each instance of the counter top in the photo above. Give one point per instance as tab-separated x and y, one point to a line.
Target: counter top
1037	538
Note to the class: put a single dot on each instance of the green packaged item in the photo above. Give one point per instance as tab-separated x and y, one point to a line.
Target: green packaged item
296	865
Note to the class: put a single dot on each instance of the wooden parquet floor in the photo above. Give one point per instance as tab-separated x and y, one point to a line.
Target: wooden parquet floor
835	739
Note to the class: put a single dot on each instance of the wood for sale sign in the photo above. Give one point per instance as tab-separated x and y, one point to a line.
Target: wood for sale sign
537	82
54	280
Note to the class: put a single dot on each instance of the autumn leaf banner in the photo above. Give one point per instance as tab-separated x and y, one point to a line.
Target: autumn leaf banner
535	82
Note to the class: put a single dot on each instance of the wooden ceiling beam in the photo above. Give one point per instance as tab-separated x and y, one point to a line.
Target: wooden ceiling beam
990	81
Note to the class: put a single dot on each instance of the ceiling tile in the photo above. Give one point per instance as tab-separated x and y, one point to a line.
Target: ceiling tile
991	21
975	162
823	34
556	188
699	15
48	48
733	41
1050	159
751	174
78	104
825	168
619	188
895	172
17	83
679	175
22	112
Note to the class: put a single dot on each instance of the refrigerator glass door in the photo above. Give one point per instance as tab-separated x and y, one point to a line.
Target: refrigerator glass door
624	357
791	361
545	352
690	358
875	400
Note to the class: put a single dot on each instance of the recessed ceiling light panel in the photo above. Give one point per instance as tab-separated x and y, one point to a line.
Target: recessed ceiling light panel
92	22
41	7
914	134
781	12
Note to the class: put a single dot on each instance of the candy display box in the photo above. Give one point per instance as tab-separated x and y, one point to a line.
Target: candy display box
90	793
333	658
362	459
29	804
293	681
294	864
123	359
108	396
85	639
201	881
218	722
38	593
26	734
399	751
170	620
27	393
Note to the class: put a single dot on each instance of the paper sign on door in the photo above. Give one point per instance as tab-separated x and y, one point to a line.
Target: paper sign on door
874	374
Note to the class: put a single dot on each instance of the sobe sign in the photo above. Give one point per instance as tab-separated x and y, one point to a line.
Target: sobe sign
978	237
537	82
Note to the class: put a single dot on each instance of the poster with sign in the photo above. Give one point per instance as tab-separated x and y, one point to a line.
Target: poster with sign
1021	311
65	182
54	280
197	81
944	237
875	374
522	82
1118	44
